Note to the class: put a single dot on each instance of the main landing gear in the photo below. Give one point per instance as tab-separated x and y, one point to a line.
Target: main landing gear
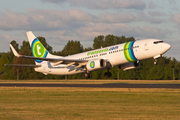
87	75
107	74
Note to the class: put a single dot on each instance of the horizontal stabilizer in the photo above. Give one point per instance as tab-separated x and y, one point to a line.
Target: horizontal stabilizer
23	65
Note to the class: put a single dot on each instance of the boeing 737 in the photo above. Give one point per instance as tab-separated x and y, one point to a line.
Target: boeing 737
125	55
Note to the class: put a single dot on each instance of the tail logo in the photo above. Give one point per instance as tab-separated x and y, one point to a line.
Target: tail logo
128	52
38	50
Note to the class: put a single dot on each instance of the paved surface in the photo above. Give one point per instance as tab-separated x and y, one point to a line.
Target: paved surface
111	85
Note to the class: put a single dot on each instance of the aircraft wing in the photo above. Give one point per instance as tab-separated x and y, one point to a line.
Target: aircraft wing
56	61
22	65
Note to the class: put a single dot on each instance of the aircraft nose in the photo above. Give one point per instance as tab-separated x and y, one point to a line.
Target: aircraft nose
166	46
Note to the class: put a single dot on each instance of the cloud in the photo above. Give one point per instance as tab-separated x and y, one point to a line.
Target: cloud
117	18
90	30
54	1
78	25
156	13
151	19
10	20
103	4
172	2
52	20
5	40
176	18
152	32
151	4
87	33
43	20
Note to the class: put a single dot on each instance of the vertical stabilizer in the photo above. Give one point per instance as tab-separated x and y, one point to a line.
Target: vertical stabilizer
31	37
37	48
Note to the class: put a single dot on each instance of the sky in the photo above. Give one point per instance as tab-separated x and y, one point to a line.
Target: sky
62	20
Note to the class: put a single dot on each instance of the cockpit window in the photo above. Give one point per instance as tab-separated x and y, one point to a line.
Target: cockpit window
158	42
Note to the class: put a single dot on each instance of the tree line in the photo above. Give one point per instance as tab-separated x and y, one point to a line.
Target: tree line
167	68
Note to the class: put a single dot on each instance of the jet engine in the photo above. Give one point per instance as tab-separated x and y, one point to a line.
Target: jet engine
131	65
96	64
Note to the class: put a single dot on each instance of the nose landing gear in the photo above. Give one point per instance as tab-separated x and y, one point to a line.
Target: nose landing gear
155	62
155	58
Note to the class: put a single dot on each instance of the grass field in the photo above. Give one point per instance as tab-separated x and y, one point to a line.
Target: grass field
88	103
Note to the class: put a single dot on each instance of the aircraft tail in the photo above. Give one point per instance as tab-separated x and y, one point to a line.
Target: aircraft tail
38	50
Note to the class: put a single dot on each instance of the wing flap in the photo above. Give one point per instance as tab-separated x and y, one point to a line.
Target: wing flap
57	63
81	65
72	63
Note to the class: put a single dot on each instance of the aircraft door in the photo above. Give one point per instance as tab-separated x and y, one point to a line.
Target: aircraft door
146	46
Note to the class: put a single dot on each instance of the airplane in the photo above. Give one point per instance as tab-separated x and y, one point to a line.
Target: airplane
125	55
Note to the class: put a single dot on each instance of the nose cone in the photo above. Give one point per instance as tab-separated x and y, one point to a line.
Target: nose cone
166	47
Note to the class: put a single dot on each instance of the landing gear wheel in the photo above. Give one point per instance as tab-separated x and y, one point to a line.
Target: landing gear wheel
87	75
107	74
155	62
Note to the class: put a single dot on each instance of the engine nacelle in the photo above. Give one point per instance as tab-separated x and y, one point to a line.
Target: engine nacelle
96	64
131	65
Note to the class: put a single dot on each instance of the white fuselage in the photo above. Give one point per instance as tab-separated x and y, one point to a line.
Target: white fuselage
115	55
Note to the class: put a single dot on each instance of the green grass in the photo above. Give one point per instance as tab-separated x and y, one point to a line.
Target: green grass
88	103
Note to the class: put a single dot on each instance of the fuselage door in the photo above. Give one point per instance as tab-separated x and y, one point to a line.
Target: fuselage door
146	48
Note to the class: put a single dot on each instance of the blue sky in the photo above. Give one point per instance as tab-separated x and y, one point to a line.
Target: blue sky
62	20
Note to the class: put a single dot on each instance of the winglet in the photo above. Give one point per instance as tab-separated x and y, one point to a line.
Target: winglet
14	51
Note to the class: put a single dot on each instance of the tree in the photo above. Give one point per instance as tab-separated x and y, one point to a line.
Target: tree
98	42
5	71
72	47
110	40
24	72
87	49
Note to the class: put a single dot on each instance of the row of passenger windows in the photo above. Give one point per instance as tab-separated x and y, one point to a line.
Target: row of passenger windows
93	56
88	57
123	49
102	54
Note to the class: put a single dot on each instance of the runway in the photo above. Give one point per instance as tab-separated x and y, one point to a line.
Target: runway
110	85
